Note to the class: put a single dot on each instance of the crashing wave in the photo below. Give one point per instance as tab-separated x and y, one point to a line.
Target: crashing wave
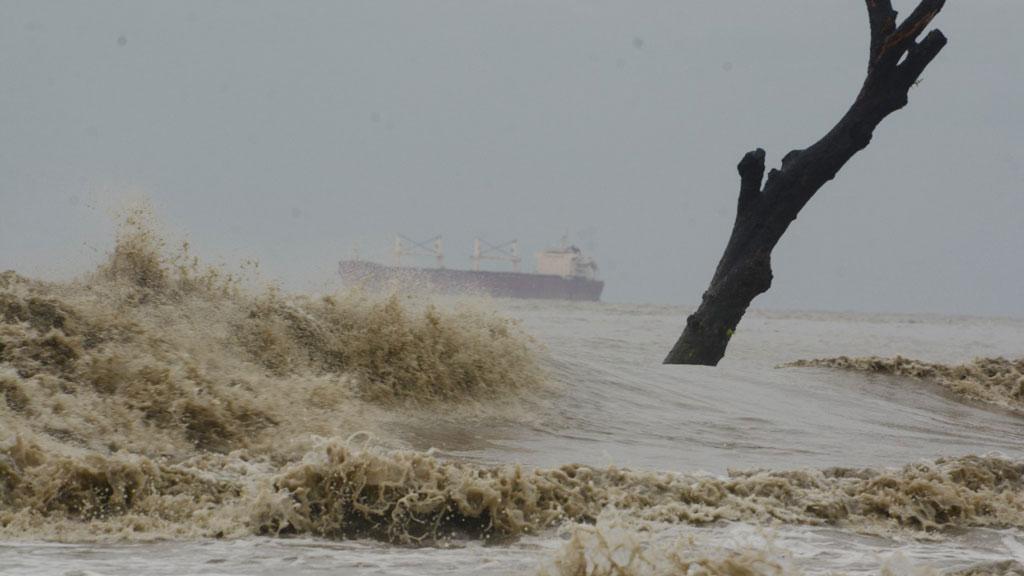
341	491
994	380
157	355
615	545
410	496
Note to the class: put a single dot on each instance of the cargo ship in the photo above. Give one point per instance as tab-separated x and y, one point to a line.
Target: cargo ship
562	273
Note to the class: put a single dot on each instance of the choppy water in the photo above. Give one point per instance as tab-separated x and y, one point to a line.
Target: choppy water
617	405
157	419
622	406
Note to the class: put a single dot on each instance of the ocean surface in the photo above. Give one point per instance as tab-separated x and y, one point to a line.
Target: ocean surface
606	402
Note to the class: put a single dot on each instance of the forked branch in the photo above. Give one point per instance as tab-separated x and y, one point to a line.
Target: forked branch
896	61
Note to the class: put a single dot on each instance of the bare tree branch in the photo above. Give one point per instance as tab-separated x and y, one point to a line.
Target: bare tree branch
896	61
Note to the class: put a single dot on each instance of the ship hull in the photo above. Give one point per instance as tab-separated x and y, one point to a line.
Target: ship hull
498	284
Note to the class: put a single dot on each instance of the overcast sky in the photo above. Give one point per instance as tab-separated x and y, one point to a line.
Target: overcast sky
290	131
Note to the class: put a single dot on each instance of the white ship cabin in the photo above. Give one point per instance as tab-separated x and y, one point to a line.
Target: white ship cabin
566	261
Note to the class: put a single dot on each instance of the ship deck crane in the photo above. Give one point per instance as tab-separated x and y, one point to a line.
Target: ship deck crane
507	252
405	246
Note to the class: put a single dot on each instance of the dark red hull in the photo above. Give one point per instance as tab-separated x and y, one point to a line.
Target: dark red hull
499	284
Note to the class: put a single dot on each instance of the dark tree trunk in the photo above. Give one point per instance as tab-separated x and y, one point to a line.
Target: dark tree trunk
896	61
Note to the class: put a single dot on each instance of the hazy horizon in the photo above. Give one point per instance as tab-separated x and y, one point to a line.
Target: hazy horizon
289	133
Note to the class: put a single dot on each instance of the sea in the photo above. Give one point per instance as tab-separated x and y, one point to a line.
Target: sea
162	421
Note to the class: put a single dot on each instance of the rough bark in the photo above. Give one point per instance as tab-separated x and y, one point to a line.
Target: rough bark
896	60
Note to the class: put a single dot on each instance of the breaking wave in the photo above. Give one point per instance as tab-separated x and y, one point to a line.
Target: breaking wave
156	354
993	380
342	491
408	496
618	546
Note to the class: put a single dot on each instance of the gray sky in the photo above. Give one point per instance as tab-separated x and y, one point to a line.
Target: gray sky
287	131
